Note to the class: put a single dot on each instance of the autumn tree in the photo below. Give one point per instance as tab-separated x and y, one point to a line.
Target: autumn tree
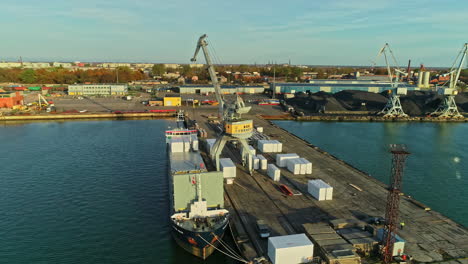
28	76
158	69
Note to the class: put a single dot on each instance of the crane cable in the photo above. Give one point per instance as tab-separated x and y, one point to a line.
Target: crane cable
233	257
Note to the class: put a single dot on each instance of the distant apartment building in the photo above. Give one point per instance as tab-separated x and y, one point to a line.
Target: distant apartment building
171	75
143	65
98	89
62	64
10	64
172	65
113	65
36	65
9	99
196	65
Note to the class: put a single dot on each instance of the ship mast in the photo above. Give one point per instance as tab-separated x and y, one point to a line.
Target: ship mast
199	188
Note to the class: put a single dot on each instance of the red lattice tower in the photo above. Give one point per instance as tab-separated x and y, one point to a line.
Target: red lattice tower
399	154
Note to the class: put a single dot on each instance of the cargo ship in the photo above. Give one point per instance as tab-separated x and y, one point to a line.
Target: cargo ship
198	218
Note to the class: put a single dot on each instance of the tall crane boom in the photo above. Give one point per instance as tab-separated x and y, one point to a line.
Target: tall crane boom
214	79
464	51
232	126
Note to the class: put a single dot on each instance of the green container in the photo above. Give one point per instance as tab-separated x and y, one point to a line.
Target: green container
34	88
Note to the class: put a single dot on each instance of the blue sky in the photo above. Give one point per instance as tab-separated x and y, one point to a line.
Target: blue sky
307	32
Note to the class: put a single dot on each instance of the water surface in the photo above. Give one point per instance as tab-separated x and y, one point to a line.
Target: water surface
86	192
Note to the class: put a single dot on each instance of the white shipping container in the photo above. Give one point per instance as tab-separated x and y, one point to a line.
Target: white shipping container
186	144
303	168
318	189
194	139
263	162
269	146
264	146
228	167
273	172
260	129
281	158
279	146
256	162
294	166
195	145
176	145
291	249
329	194
308	166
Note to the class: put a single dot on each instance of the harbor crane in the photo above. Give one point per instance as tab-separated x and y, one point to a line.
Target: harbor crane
233	126
393	107
448	107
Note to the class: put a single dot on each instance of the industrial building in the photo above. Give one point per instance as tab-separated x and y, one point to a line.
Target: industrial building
335	86
226	89
98	89
11	99
62	64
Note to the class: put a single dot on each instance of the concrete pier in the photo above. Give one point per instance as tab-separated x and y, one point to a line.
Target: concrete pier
429	236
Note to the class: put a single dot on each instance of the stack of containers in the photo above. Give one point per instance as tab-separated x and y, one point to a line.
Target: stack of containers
263	162
273	172
269	146
278	145
176	145
265	146
194	142
294	165
308	166
320	190
281	159
229	169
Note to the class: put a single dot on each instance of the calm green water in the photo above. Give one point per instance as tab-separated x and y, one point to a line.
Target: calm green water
436	172
86	192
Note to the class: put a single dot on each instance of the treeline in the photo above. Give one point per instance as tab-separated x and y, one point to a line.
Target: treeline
65	76
281	71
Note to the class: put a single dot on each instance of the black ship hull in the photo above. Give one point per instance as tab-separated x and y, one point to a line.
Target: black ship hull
200	244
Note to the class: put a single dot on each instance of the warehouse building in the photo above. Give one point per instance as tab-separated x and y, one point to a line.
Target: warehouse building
226	89
334	86
98	89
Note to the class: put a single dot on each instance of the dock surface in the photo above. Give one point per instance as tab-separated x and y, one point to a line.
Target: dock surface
429	235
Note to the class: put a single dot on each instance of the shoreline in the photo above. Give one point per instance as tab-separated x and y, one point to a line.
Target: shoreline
360	118
85	116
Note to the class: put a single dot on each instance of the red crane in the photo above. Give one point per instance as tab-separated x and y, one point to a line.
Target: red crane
399	154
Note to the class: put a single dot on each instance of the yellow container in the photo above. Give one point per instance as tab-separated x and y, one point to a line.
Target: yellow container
172	101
